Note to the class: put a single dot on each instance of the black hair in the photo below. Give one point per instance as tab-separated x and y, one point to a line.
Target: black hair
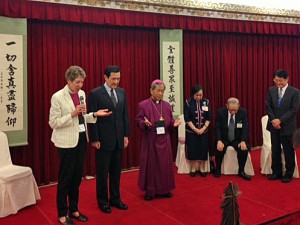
111	69
282	74
196	89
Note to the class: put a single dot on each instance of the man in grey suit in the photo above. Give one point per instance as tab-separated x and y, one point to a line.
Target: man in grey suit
109	136
282	106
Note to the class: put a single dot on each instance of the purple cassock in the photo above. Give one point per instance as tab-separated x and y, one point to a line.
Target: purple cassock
156	174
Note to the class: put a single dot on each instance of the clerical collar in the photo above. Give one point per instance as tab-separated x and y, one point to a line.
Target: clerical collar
155	101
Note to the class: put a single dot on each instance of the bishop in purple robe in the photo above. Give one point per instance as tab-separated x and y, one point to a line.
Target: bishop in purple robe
155	119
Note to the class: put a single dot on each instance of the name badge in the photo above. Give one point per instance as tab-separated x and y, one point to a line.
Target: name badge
205	108
81	128
160	130
160	127
239	125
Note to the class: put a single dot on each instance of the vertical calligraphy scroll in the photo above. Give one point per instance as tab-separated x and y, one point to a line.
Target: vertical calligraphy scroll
13	82
171	68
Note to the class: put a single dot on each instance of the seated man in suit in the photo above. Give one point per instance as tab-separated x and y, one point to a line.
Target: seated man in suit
232	130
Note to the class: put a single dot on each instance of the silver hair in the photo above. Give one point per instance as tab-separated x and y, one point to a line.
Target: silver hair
233	101
73	72
154	85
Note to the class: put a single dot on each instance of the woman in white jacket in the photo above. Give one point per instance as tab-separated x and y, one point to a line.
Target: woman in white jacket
68	119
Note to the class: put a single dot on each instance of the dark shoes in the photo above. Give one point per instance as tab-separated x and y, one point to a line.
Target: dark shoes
274	176
286	179
243	175
67	221
192	174
167	195
81	217
202	174
217	174
119	205
148	198
105	208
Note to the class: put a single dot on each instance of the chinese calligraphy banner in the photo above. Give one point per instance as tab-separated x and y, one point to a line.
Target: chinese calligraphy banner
171	68
13	86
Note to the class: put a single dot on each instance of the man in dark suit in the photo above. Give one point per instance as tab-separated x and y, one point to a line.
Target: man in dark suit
282	106
232	130
109	136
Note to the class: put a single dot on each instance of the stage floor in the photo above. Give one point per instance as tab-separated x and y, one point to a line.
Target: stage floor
196	201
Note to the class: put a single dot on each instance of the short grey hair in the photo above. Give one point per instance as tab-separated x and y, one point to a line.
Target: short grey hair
73	72
233	101
154	85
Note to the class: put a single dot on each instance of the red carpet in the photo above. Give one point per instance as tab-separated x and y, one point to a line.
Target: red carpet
196	201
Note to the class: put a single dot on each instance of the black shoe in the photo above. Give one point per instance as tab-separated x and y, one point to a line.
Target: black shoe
148	198
203	174
274	177
119	205
217	174
286	179
68	221
243	175
81	217
192	174
168	195
105	208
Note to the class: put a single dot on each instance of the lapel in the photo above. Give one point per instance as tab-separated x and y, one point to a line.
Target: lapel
67	97
106	97
275	96
286	94
226	117
237	118
120	96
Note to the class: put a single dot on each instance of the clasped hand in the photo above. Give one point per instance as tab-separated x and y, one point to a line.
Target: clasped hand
276	123
242	146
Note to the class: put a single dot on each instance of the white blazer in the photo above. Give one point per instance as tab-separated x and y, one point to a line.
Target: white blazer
65	128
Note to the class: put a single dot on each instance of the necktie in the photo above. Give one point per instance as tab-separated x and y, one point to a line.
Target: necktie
280	95
231	127
113	98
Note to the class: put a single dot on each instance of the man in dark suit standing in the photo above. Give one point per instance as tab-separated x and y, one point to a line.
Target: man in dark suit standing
232	130
282	106
109	136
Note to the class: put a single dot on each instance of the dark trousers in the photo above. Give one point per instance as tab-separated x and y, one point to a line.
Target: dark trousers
289	154
108	167
70	176
241	156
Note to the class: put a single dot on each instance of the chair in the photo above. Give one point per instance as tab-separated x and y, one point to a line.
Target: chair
181	162
266	154
230	163
18	187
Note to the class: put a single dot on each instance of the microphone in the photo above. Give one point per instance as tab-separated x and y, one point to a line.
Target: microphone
81	99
